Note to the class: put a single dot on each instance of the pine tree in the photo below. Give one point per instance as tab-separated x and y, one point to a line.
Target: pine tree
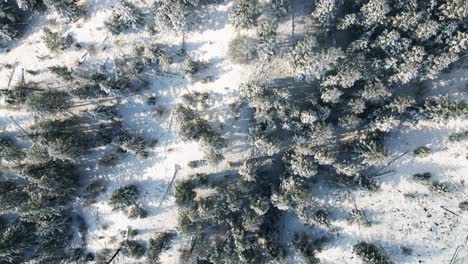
49	102
124	16
244	13
66	8
12	21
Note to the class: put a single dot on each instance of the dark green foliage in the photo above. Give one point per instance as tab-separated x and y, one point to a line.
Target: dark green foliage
66	8
12	21
53	40
244	13
124	197
422	152
370	253
132	248
62	72
192	67
62	139
109	159
194	127
305	245
185	194
422	177
457	137
49	102
136	211
15	239
93	190
9	150
406	251
463	206
439	187
134	144
124	16
53	174
322	217
156	245
281	7
267	43
103	256
360	217
442	108
151	100
12	195
235	219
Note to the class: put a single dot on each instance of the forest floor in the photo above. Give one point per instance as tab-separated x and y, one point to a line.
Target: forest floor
402	213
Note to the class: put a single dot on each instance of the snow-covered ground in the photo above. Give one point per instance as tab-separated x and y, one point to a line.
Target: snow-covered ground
402	213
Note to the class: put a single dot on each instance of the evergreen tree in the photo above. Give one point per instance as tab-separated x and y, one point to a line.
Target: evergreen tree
244	13
124	16
66	8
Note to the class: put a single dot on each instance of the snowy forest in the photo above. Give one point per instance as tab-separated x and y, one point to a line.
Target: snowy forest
234	131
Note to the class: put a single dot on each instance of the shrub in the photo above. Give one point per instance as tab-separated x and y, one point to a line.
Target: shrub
49	102
157	245
124	16
457	137
53	40
103	256
281	7
136	211
306	247
134	144
93	190
244	13
67	8
184	193
322	217
242	49
132	248
370	253
422	152
439	187
191	67
9	151
62	72
109	160
463	206
124	197
422	177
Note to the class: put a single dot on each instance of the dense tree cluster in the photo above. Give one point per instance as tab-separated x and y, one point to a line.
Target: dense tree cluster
15	14
359	73
178	15
195	127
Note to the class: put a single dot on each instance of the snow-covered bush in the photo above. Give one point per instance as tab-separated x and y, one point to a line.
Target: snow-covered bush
370	253
281	7
124	16
192	67
244	13
156	245
305	246
66	8
93	190
12	21
134	144
124	197
242	49
53	40
133	248
185	193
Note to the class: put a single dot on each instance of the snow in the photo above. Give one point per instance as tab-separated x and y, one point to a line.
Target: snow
419	223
